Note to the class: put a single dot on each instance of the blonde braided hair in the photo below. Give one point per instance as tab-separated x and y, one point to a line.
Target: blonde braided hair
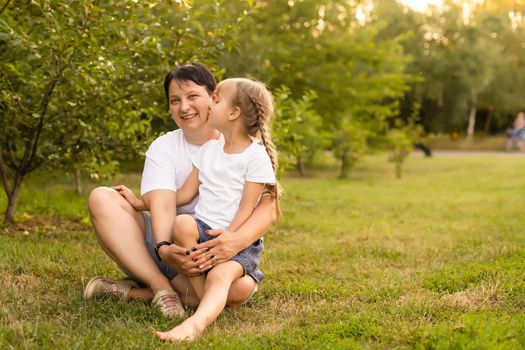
256	104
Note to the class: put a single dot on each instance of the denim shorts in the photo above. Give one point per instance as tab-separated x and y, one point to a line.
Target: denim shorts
248	258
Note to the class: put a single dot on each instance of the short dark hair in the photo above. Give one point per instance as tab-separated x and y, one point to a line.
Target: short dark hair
196	72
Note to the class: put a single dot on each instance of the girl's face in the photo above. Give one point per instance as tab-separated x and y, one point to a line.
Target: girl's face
189	105
221	107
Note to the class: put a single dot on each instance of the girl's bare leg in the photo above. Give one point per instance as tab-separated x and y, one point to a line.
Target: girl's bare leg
186	234
240	290
216	288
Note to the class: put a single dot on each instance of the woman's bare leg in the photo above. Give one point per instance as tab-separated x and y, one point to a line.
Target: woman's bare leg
120	231
217	284
144	294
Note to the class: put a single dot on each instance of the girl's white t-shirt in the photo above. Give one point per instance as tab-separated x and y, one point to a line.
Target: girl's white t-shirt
168	164
223	176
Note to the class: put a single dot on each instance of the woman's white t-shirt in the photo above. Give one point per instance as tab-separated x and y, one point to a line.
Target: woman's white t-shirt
223	176
168	164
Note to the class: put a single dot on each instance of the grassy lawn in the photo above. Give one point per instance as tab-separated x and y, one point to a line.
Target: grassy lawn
435	260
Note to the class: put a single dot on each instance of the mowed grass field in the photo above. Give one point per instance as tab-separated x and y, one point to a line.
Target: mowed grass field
435	260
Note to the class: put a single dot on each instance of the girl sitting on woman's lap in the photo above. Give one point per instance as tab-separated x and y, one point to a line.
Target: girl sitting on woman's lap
229	175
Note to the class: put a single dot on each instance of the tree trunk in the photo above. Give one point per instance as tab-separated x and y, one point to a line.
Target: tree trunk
12	199
300	166
344	166
472	114
78	181
471	122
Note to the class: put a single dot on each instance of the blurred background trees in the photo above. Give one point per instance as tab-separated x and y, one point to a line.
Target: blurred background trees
81	81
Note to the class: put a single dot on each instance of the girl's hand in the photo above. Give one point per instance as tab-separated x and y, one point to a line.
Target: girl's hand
218	250
137	204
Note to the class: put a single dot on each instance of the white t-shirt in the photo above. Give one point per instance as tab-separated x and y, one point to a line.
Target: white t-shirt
223	176
168	164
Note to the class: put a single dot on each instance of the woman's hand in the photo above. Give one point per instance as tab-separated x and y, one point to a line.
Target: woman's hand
182	259
218	250
137	204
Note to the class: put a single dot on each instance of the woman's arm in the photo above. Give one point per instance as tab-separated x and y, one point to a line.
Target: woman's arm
163	209
252	191
162	204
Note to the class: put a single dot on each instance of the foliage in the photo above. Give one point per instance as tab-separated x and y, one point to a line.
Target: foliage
320	46
297	129
402	137
470	56
81	81
349	143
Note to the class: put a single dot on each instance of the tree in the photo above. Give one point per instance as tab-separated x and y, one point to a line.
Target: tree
297	129
81	81
470	57
349	143
401	138
321	46
504	97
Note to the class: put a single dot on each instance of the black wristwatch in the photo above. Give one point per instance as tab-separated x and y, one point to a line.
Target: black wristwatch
160	244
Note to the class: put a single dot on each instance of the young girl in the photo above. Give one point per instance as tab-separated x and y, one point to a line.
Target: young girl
230	175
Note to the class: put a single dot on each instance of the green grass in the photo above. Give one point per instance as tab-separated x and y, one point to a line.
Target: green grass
435	260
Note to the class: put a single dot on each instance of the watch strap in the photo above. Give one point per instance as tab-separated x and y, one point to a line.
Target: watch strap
157	247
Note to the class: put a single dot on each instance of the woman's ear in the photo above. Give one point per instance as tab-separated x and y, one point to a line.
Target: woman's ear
235	113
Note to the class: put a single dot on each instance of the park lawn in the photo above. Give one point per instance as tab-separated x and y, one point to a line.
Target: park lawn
435	260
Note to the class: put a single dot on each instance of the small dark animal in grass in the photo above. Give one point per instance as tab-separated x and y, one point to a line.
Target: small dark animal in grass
424	148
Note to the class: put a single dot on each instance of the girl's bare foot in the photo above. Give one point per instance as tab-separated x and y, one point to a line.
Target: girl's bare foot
186	331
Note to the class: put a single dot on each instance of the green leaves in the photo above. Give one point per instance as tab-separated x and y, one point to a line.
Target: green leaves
401	138
319	46
297	129
81	81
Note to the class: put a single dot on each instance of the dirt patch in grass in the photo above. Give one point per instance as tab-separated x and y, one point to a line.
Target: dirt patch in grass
487	295
40	224
416	297
23	282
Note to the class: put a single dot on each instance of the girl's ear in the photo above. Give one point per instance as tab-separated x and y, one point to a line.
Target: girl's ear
235	113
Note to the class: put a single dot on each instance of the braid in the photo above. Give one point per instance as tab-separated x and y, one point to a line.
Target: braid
275	190
264	111
256	125
268	145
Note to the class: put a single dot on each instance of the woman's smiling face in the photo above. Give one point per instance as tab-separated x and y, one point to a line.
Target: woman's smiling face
189	104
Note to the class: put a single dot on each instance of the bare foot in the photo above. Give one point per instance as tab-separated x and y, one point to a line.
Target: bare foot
186	331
